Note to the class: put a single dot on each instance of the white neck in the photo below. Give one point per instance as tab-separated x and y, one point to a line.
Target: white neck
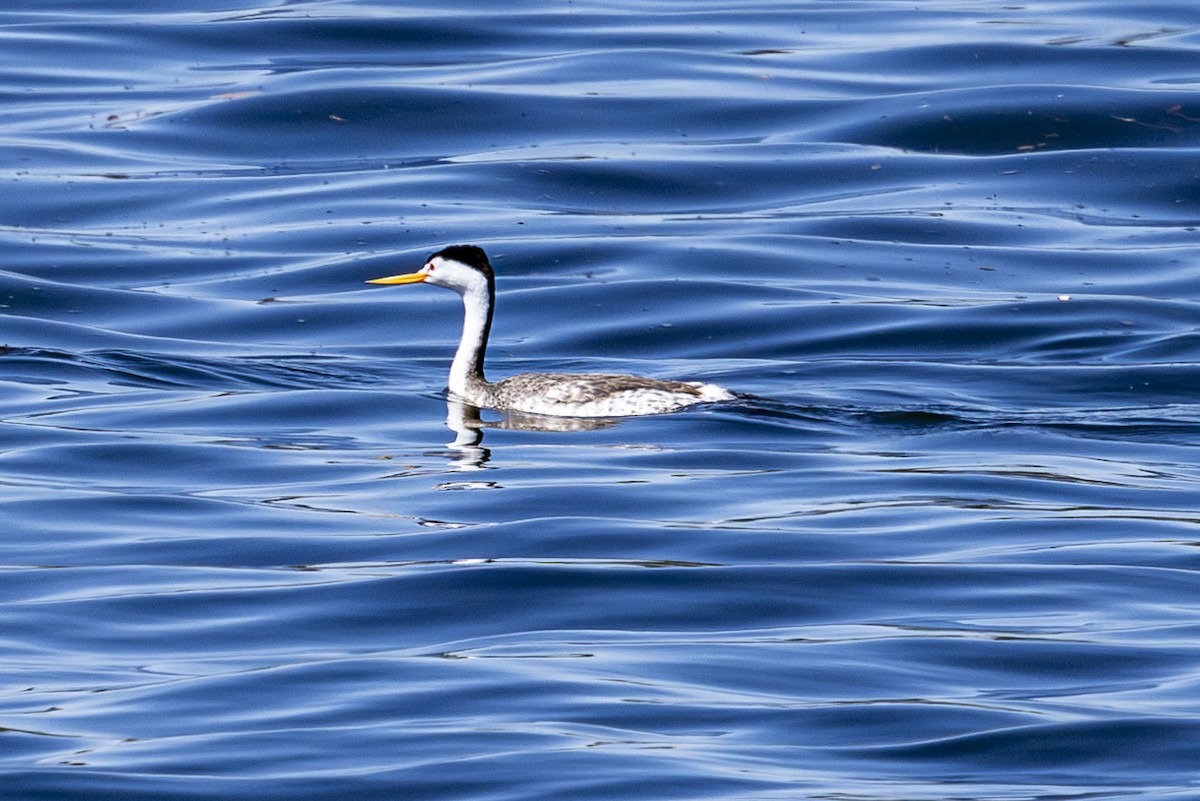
466	371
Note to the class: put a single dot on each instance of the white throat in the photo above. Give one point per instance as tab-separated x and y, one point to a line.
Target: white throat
466	371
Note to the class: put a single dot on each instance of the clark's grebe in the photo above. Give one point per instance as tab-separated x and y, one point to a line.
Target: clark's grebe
465	269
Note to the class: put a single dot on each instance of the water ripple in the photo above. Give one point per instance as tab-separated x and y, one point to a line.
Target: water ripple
942	546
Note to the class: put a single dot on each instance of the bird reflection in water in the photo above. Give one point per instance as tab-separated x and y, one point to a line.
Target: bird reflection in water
468	424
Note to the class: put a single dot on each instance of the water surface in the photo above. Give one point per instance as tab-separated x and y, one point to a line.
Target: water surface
945	547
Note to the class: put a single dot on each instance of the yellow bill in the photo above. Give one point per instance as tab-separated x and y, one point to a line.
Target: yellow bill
407	278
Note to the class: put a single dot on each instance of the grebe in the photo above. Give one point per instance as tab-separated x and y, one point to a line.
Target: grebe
465	269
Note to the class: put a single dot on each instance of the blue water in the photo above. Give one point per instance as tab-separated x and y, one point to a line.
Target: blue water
946	546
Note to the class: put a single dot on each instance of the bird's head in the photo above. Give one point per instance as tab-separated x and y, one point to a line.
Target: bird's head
463	268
